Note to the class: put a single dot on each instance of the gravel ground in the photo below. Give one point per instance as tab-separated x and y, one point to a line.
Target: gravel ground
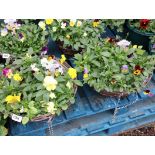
143	131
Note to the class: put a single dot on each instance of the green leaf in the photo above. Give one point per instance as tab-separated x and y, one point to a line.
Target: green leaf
25	120
106	54
96	63
33	110
64	107
78	82
39	76
140	52
3	131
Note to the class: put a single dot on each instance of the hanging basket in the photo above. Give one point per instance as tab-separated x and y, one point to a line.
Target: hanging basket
65	65
122	94
68	50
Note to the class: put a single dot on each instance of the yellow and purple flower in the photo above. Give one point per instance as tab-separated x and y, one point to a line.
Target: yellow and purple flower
21	37
85	75
124	69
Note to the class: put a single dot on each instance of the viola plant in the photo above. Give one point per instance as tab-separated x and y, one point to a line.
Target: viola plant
117	24
32	87
115	66
17	37
143	25
74	34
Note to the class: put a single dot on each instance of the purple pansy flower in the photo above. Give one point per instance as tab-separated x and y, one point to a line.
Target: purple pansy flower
153	46
124	69
44	50
85	71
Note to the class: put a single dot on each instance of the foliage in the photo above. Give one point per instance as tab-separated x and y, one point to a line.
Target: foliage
75	34
17	37
115	66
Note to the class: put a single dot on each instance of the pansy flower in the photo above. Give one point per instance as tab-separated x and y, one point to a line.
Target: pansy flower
63	25
44	50
12	99
21	37
49	21
111	40
63	59
124	69
144	23
148	92
85	34
85	75
72	73
113	81
123	43
153	46
4	32
7	73
42	25
130	55
96	23
72	22
79	23
138	70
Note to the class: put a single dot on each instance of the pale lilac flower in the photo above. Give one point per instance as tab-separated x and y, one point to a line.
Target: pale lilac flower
123	43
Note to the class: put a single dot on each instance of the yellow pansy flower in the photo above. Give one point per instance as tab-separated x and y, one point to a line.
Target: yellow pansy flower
135	46
51	109
12	99
50	83
95	24
63	59
72	73
68	36
72	23
17	77
49	21
85	76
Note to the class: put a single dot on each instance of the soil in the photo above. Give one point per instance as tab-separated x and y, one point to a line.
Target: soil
143	131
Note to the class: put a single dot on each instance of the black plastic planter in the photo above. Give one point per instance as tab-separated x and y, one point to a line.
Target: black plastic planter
139	38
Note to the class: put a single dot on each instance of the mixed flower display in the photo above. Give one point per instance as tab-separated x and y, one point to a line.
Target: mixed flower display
19	36
115	66
31	87
74	34
34	84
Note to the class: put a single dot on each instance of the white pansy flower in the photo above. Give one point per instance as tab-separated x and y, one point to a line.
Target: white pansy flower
51	109
123	43
45	63
4	32
60	69
79	23
85	34
42	25
52	95
6	21
63	25
34	68
50	83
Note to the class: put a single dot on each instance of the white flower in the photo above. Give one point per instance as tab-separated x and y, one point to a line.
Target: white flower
63	25
51	109
68	85
85	34
22	109
60	69
50	83
4	32
6	21
52	95
45	63
54	29
79	23
34	68
42	25
123	43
